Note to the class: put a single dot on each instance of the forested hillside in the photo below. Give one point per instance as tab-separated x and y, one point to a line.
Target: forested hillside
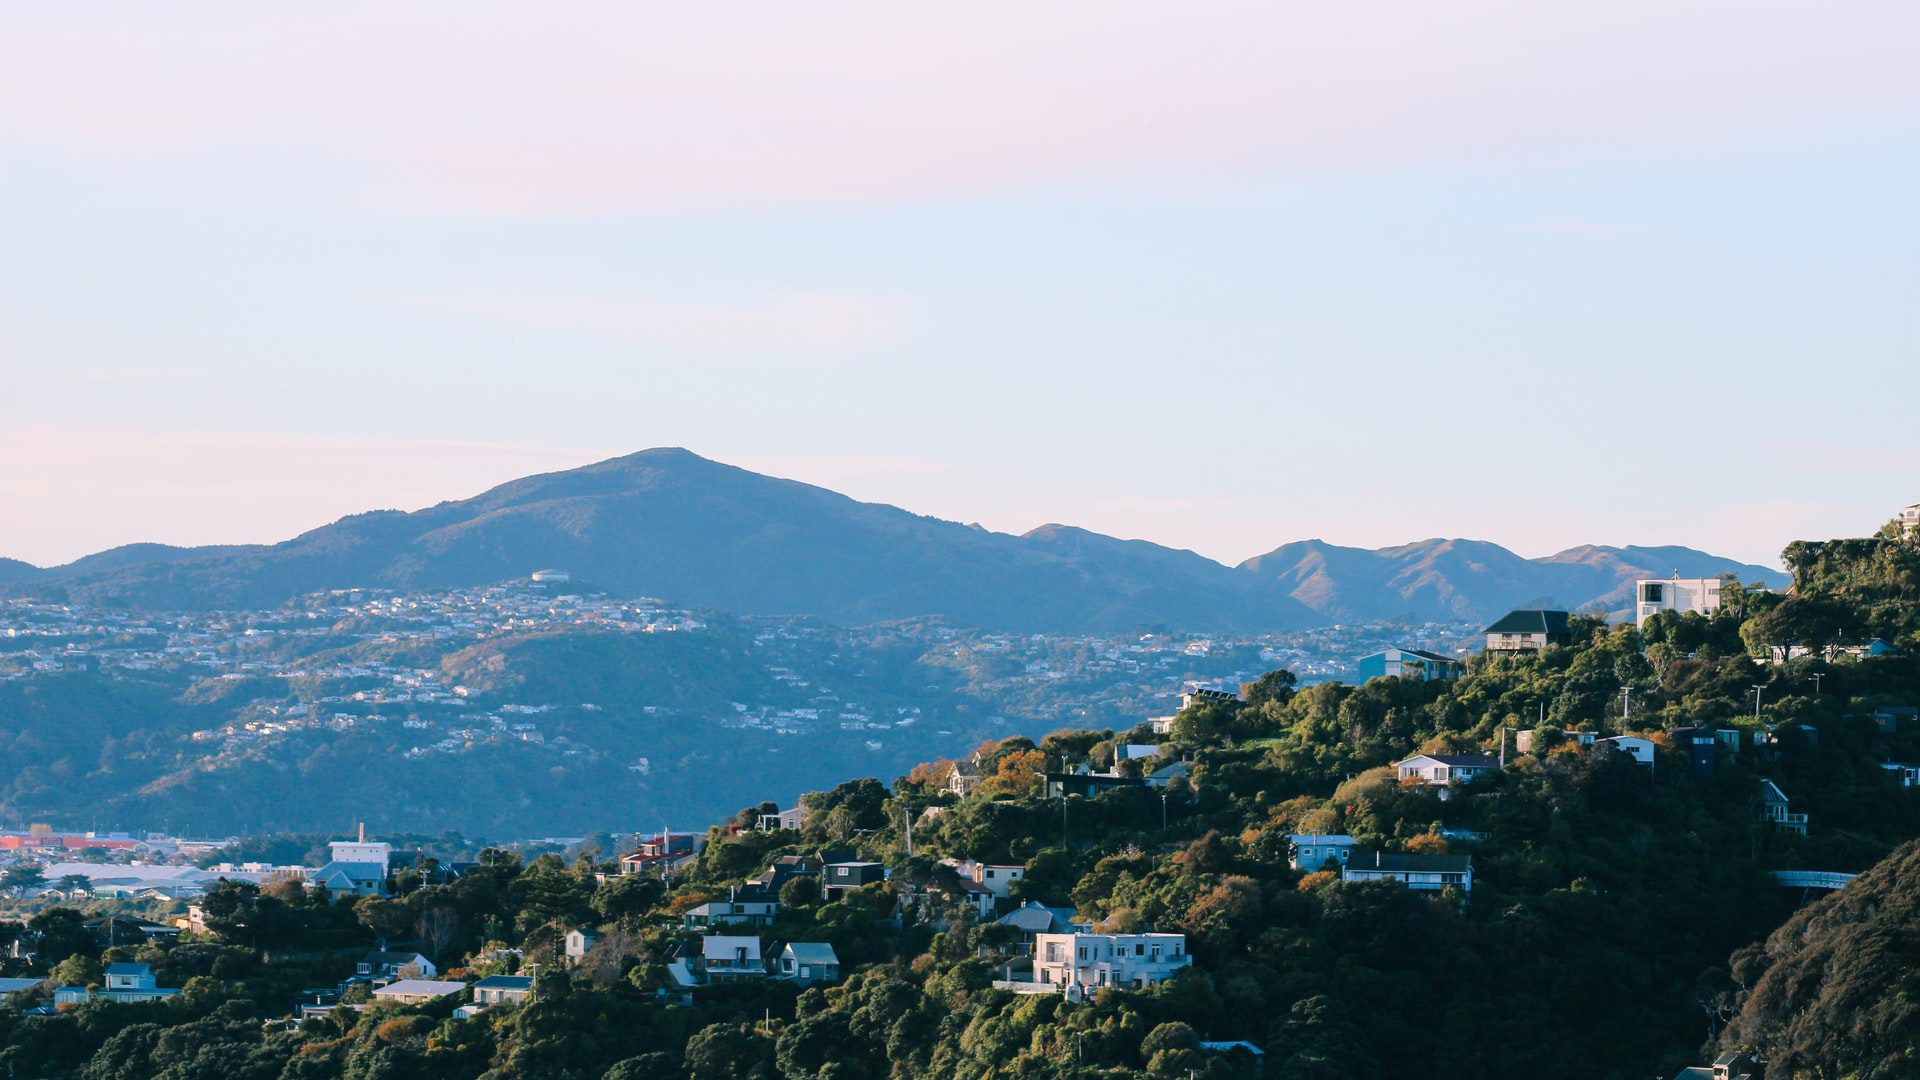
1609	930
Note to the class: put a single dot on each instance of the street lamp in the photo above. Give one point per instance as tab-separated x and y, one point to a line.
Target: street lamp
1817	676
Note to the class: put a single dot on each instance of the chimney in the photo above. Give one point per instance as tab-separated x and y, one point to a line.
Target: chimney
363	832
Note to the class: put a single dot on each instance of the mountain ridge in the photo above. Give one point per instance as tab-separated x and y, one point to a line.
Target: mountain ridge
667	522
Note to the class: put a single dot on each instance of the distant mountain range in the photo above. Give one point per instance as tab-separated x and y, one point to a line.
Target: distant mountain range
669	523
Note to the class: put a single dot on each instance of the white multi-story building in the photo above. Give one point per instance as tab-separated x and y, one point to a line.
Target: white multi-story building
1910	520
1076	963
1653	595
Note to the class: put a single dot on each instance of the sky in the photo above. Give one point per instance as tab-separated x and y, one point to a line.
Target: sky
1218	275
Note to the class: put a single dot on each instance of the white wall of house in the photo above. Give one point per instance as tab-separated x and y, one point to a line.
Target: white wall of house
1654	595
1093	960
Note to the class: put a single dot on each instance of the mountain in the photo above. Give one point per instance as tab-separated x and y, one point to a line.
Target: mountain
669	523
1475	580
13	571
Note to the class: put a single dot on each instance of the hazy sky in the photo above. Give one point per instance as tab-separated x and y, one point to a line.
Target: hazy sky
1219	275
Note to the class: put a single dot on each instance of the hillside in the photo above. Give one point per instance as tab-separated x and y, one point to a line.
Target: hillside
1833	991
1476	580
671	524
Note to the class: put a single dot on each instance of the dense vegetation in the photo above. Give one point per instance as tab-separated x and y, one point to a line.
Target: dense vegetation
1610	931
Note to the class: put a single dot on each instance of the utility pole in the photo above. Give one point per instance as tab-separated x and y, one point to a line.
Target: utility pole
1626	703
908	814
1757	691
1817	676
1163	810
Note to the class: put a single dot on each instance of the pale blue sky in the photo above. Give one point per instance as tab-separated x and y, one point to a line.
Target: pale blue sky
1620	274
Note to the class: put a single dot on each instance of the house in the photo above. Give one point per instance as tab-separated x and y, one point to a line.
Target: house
1313	851
1428	873
1528	629
415	991
12	991
358	868
727	958
381	963
1168	773
994	878
1773	808
784	869
840	878
1441	770
807	962
965	777
1083	781
133	982
71	995
1129	751
1409	664
502	990
1908	772
1033	918
730	912
669	849
1635	747
1910	521
578	941
1654	595
795	818
1076	963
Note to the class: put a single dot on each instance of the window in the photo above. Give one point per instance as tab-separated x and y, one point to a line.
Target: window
1139	948
1652	593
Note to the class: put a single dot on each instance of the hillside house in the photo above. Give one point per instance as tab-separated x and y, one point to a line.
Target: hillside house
716	913
795	818
840	878
1654	595
579	941
1443	770
807	963
358	868
1908	772
14	991
416	991
1529	629
1774	808
1428	873
1078	963
382	964
502	990
1635	747
126	982
1407	664
1313	851
727	958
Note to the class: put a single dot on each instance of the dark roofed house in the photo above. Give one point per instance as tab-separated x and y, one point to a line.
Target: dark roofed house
1429	873
1528	629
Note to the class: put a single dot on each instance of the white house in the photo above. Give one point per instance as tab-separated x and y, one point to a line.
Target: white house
1654	595
579	940
1910	520
807	962
729	958
498	990
1428	873
725	912
415	991
995	878
1076	963
1312	851
1529	629
1440	770
358	868
381	963
1908	772
1639	749
795	818
133	982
